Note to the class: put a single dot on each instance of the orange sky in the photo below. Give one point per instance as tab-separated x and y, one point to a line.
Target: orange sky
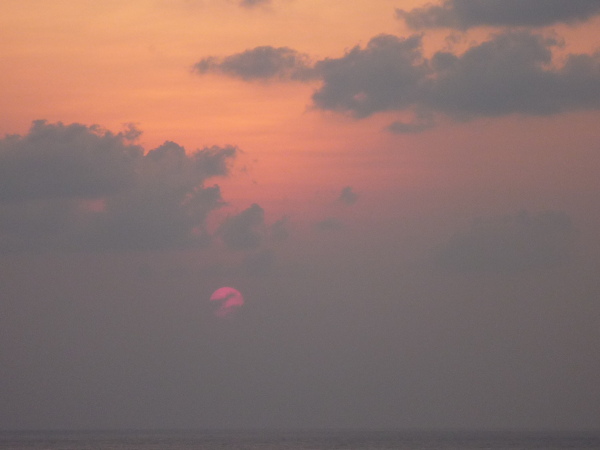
112	63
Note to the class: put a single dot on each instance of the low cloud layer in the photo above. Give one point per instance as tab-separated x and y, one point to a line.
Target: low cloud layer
511	73
82	187
464	14
511	243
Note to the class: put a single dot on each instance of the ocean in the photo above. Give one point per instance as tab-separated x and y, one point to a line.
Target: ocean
305	440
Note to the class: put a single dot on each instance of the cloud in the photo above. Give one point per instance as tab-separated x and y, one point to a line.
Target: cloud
513	72
464	14
253	3
511	243
386	75
82	187
56	160
348	196
245	230
510	73
260	63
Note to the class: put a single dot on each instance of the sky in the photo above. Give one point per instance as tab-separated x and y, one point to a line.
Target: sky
401	198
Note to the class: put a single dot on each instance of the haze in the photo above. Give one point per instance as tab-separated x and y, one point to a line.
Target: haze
405	194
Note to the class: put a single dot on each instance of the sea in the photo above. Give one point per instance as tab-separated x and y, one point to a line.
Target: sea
294	440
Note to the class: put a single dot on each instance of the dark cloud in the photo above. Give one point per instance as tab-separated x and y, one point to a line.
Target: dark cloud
464	14
512	72
169	203
56	160
385	75
348	196
79	187
509	243
245	230
260	63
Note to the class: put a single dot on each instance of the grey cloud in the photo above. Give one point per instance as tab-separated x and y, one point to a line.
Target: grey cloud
37	224
260	63
464	14
348	196
245	230
511	243
385	75
56	160
511	73
78	187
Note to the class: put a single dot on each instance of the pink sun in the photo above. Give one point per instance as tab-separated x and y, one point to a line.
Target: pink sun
230	300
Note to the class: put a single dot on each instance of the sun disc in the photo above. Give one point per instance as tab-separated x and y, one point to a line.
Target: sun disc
229	299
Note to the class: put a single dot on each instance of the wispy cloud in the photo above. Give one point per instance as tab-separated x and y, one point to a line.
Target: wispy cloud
260	63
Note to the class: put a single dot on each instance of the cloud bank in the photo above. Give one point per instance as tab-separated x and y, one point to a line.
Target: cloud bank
514	72
464	14
80	187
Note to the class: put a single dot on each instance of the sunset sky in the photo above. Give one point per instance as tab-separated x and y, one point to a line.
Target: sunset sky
405	193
